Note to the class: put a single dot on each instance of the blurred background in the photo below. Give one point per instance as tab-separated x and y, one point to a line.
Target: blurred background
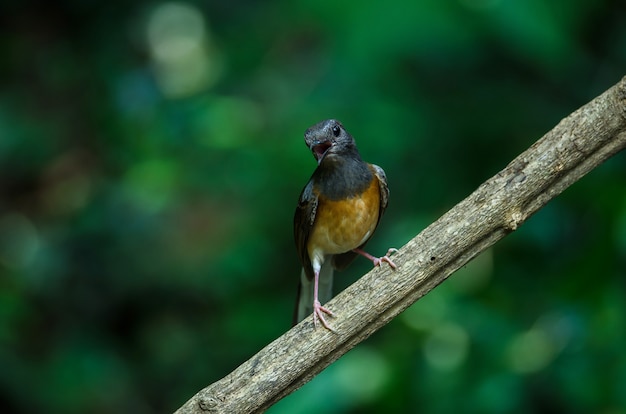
151	157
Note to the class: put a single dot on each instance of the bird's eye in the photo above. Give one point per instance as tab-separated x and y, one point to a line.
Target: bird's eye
336	130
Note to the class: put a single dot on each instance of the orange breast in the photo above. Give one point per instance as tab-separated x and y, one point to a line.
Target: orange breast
341	226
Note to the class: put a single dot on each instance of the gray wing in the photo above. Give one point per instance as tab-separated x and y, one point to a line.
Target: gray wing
384	189
302	223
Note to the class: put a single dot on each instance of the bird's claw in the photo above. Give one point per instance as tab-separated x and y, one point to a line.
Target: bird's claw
318	314
391	251
386	258
378	260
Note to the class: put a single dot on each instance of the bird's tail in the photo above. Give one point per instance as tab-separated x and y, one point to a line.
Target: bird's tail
304	304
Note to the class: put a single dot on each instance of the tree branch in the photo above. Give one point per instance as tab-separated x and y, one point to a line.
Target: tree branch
499	206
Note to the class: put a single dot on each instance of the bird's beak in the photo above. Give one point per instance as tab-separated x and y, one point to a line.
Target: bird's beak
320	149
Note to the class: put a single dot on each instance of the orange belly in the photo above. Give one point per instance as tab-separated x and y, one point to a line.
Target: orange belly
341	226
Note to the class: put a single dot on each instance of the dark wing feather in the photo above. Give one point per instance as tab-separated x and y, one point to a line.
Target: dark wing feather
384	189
303	222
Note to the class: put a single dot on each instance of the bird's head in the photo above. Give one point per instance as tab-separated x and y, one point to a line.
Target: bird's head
328	138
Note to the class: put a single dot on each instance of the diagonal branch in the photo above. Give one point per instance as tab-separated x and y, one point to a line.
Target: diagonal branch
578	144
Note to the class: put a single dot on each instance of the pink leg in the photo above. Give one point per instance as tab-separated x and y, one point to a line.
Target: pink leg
378	260
318	309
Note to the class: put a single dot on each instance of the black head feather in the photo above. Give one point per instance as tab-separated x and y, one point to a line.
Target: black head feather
329	138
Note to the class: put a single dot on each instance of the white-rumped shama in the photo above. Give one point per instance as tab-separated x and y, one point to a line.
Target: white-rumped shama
337	213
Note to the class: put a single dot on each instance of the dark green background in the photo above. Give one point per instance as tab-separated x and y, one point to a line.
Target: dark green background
146	232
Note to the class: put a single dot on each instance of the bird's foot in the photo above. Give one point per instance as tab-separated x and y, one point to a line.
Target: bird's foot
378	260
318	314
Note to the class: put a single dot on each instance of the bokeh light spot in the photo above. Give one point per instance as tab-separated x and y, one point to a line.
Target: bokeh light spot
447	347
181	51
364	373
19	240
151	184
530	351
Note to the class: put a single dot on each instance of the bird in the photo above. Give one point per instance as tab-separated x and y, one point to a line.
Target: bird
337	213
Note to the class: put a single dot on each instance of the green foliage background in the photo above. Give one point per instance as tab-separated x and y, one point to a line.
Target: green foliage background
151	155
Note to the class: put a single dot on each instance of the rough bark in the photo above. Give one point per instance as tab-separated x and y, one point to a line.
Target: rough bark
499	206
